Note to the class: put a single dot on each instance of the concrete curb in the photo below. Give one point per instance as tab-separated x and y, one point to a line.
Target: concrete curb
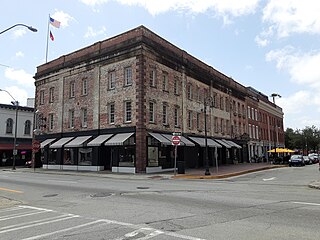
227	175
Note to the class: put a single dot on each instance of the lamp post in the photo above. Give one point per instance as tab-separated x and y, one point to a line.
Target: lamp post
20	24
207	101
274	95
16	104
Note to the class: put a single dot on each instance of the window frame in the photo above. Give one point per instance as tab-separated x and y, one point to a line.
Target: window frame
72	89
51	121
27	127
84	117
84	87
165	114
71	118
128	111
112	80
111	113
151	112
128	76
9	126
51	95
41	100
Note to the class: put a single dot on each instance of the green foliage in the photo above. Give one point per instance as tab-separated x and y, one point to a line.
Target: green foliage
307	138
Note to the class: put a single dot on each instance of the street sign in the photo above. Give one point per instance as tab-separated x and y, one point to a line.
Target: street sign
175	140
35	146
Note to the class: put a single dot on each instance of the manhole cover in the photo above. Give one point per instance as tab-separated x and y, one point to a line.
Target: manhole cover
100	195
142	187
51	195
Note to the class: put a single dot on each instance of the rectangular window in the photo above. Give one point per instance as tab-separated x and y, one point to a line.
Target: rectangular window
128	76
165	115
111	111
51	122
165	82
222	103
222	125
176	117
198	120
151	112
189	119
257	132
249	112
51	95
41	97
84	117
112	80
176	86
152	77
256	114
189	91
72	89
198	94
252	114
71	119
84	87
128	112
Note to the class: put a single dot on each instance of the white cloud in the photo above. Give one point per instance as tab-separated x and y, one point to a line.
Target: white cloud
20	76
224	9
93	33
293	16
297	102
19	54
62	17
302	67
261	42
17	93
19	32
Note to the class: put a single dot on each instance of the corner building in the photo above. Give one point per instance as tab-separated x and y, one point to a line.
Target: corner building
115	104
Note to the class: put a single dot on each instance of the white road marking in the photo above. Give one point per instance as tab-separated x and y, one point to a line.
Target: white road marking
152	234
18	215
63	230
10	209
268	179
39	224
306	203
37	208
61	181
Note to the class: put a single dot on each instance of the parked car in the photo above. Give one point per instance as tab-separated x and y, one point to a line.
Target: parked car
314	157
307	160
37	165
296	160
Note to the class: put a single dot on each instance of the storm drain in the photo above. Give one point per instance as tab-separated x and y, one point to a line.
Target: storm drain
50	195
142	187
101	195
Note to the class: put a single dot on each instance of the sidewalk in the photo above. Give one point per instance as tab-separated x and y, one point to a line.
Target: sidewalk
224	171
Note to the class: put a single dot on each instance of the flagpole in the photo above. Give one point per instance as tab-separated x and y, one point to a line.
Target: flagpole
47	40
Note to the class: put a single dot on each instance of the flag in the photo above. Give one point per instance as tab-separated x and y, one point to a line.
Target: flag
51	36
54	22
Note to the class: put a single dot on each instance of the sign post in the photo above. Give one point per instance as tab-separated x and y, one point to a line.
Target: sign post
35	146
175	139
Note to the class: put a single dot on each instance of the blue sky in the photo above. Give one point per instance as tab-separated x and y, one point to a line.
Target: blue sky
271	45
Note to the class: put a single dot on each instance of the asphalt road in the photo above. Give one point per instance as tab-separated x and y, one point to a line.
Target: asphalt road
273	204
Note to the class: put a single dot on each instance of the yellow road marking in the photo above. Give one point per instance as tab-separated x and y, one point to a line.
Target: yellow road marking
10	190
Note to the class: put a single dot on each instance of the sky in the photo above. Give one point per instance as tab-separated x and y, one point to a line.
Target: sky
270	45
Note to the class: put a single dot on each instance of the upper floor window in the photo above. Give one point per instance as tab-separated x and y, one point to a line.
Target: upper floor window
151	112
128	112
165	81
51	94
256	114
84	87
51	122
71	119
112	80
198	120
221	103
127	76
190	119
176	117
249	116
165	114
72	89
111	111
27	127
9	125
189	91
176	86
84	117
152	77
41	97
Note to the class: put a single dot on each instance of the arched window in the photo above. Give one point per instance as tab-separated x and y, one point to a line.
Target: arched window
9	125
27	127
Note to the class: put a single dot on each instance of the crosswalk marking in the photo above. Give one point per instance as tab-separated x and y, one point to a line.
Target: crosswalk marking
146	232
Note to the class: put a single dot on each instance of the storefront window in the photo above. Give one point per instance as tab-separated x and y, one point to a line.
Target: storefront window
153	160
85	156
127	156
69	156
53	157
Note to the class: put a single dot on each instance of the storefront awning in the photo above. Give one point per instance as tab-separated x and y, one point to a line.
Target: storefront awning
78	142
118	139
99	140
183	140
61	142
202	143
223	143
46	142
232	144
160	138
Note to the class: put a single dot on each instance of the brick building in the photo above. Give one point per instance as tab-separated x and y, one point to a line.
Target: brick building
115	104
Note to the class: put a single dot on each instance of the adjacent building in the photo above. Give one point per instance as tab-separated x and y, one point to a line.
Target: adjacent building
115	104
